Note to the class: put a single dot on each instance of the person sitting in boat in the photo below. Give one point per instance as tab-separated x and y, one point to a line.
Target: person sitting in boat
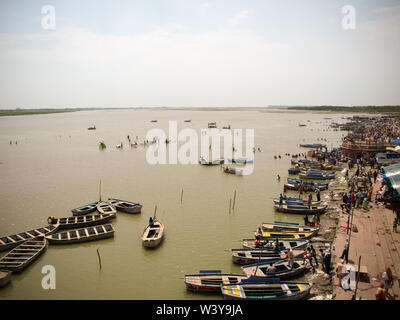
280	200
271	268
151	221
256	243
259	232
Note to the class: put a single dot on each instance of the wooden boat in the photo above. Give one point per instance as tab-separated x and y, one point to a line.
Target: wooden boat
212	125
240	160
267	235
236	171
153	235
283	245
154	121
318	185
211	280
313	145
300	209
293	170
82	235
81	221
316	175
92	128
188	121
288	227
249	256
14	240
283	270
125	206
20	257
5	278
275	290
298	201
86	209
206	162
227	127
105	207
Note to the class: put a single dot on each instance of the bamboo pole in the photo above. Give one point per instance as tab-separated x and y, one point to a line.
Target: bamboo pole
155	210
98	255
100	190
234	200
181	195
230	205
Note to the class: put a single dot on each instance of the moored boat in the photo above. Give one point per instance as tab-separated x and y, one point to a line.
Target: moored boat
283	270
23	255
81	221
288	227
211	280
272	244
82	235
204	161
5	278
14	240
267	235
153	234
105	207
299	201
86	209
316	175
249	256
300	209
125	206
275	290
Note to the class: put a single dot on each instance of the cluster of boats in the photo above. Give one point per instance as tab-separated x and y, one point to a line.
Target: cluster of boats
84	225
265	264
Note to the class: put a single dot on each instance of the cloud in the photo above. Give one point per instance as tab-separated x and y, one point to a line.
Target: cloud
240	17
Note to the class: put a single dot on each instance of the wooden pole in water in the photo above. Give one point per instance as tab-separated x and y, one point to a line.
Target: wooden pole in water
234	200
155	210
230	205
100	191
98	254
181	195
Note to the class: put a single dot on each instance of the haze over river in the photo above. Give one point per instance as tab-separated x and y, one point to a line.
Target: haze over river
57	165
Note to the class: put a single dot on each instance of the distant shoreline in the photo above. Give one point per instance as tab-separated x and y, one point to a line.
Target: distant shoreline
271	109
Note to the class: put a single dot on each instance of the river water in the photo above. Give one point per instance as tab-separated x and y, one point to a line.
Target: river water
57	166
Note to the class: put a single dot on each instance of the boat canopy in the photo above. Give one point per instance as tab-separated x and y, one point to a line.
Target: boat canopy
391	174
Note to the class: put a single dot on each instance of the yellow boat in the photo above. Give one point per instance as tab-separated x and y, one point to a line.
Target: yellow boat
284	235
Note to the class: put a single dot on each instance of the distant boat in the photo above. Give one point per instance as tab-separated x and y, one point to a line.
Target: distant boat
82	235
92	128
205	161
188	121
85	209
272	291
125	206
102	145
212	125
283	235
14	240
317	175
240	160
302	125
153	234
236	171
23	255
312	145
154	121
227	127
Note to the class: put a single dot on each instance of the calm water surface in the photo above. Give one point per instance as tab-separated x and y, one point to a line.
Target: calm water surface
57	166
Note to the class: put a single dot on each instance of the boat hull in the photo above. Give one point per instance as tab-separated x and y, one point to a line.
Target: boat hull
5	278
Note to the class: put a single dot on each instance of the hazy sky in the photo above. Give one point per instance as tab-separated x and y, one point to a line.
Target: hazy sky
199	53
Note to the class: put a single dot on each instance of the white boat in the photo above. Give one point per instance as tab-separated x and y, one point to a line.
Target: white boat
153	234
